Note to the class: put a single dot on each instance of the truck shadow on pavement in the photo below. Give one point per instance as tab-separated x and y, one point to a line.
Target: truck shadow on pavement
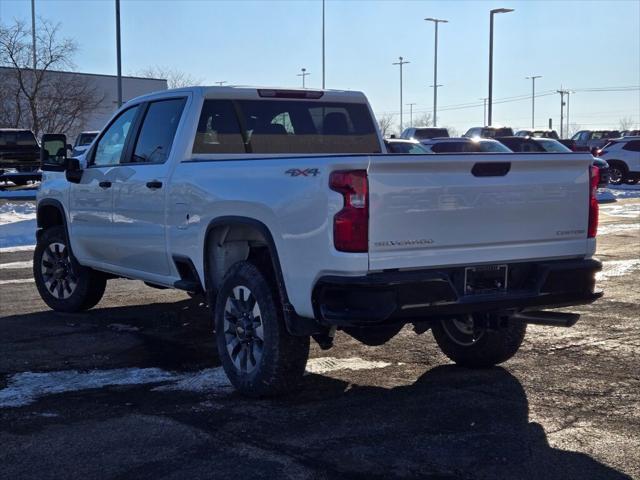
450	423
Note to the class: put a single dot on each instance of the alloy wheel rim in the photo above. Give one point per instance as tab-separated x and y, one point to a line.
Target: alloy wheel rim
243	329
463	331
615	175
58	275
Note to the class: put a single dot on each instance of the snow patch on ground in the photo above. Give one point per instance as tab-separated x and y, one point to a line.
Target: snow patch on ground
331	364
624	210
617	268
618	228
625	191
16	280
27	387
17	224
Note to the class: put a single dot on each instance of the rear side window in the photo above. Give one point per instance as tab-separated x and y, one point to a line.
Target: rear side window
157	132
218	129
8	138
633	146
495	147
281	126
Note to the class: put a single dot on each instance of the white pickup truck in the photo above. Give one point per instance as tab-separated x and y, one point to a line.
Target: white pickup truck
284	209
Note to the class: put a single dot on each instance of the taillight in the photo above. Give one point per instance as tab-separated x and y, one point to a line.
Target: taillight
593	202
351	224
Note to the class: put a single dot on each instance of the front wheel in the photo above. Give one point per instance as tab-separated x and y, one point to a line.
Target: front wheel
617	174
257	352
471	342
64	284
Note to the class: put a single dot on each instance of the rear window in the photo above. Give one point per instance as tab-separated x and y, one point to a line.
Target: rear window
406	147
85	139
554	146
493	147
452	147
427	133
285	126
497	132
17	139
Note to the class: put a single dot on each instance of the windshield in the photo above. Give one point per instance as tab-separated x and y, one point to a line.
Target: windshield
406	147
17	138
493	147
550	145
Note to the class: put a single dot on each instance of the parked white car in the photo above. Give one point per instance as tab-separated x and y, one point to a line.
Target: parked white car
284	208
623	157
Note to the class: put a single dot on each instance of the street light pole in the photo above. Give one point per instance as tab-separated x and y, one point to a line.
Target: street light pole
33	32
118	53
400	63
411	113
533	98
303	75
435	67
492	13
323	44
569	92
562	104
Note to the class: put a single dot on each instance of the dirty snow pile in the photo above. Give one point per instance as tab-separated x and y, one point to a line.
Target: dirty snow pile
17	224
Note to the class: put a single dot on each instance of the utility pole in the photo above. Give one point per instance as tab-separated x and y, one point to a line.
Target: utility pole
118	53
323	87
410	114
303	75
435	67
33	32
492	13
533	98
569	92
484	113
562	94
401	62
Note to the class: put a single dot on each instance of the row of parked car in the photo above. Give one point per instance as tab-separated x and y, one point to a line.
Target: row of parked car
20	151
616	155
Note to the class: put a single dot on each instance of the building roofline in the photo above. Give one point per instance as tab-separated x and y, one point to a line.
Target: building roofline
91	74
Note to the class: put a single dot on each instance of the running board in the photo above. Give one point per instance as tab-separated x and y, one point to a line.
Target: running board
551	319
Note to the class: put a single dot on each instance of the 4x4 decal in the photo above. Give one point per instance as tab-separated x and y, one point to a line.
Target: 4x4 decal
297	172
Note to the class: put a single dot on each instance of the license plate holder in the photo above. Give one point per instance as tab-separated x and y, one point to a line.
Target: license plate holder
485	279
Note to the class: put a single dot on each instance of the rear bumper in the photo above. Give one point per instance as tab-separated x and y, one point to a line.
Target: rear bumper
409	296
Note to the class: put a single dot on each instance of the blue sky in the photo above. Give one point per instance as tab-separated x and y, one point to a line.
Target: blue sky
575	44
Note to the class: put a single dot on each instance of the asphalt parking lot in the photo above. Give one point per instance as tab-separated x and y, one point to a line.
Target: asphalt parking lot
133	389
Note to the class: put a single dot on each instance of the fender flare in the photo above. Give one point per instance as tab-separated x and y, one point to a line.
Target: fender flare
296	325
50	202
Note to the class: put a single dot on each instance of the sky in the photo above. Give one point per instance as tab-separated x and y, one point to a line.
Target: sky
578	45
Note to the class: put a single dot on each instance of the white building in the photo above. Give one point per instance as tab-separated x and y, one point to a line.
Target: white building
106	87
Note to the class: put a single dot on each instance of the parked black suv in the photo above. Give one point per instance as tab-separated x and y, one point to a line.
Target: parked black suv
489	132
19	149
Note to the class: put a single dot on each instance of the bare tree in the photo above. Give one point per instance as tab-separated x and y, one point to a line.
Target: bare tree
453	131
423	120
45	99
573	129
385	122
626	123
175	78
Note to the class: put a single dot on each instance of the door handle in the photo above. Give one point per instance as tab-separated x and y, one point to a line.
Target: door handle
104	184
154	184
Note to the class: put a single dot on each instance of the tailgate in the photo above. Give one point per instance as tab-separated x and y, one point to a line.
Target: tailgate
431	210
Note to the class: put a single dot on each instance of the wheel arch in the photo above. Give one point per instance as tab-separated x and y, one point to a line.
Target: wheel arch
51	213
256	234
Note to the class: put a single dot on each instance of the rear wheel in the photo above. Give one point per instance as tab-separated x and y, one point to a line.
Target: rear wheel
257	352
472	342
64	284
617	173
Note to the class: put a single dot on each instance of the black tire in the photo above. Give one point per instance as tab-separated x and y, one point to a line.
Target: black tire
617	172
56	271
274	359
484	347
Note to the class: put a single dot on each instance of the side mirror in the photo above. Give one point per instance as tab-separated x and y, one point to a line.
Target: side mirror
73	171
53	152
